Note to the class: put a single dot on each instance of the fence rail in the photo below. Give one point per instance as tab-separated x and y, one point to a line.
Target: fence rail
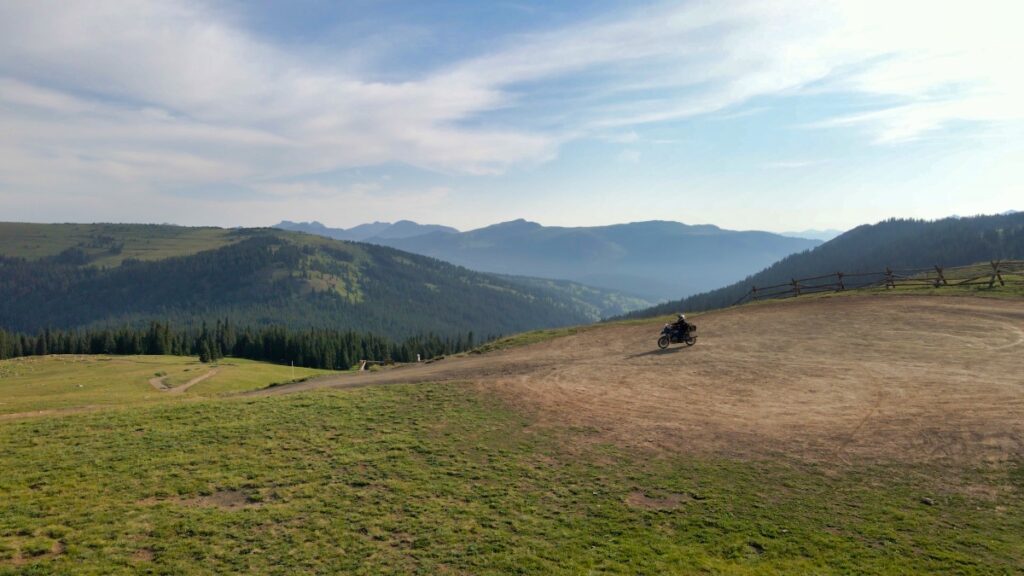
1001	272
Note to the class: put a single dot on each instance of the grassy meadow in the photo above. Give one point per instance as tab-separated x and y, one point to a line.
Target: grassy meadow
63	382
445	479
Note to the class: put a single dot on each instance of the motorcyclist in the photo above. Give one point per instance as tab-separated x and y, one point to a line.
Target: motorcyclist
678	331
680	325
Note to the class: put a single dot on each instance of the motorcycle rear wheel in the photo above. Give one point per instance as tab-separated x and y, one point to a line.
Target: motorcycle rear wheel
663	342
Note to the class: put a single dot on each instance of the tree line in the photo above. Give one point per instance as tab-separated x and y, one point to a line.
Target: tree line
312	348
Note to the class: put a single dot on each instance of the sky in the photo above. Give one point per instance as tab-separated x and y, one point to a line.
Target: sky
783	115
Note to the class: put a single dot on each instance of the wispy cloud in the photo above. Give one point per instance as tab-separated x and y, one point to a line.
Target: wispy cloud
150	94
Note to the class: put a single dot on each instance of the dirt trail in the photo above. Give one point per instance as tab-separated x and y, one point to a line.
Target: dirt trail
866	377
160	382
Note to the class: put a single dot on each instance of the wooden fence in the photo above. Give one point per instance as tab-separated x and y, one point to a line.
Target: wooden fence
1001	272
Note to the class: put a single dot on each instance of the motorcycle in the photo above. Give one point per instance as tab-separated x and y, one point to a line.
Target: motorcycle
670	335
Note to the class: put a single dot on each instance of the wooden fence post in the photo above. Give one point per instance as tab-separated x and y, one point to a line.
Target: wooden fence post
796	286
839	276
889	282
995	274
753	292
941	278
743	298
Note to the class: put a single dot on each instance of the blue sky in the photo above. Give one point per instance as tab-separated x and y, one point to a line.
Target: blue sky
750	115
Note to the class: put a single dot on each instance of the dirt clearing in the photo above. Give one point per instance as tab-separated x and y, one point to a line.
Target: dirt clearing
840	379
160	382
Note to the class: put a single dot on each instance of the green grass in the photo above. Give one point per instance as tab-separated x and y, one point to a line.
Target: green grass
71	381
140	241
444	479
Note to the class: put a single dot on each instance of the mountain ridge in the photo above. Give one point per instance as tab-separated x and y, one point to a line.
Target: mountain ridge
365	232
655	259
71	276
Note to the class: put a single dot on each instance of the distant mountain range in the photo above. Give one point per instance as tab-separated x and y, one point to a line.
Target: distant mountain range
655	260
367	232
88	275
823	235
953	241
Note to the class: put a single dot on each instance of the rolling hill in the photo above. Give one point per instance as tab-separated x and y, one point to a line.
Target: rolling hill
655	260
75	275
897	243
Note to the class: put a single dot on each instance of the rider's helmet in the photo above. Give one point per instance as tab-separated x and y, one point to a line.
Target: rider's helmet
682	316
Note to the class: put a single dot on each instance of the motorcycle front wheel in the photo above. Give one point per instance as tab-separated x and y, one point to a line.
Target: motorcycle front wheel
663	342
691	341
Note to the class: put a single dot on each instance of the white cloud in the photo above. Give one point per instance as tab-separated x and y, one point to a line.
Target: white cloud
938	62
166	74
145	95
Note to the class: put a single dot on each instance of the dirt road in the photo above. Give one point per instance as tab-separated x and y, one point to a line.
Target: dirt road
866	377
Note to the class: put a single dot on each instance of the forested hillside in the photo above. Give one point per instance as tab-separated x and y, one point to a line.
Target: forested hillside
259	277
596	302
896	243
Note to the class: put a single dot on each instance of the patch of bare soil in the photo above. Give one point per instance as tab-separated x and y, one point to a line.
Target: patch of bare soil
223	499
922	379
22	558
143	555
160	382
643	501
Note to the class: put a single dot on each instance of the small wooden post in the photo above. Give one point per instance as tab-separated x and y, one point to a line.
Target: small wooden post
996	274
753	292
941	278
839	276
889	282
796	286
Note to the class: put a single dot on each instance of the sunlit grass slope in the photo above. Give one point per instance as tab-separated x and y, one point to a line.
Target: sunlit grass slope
67	381
109	244
445	479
